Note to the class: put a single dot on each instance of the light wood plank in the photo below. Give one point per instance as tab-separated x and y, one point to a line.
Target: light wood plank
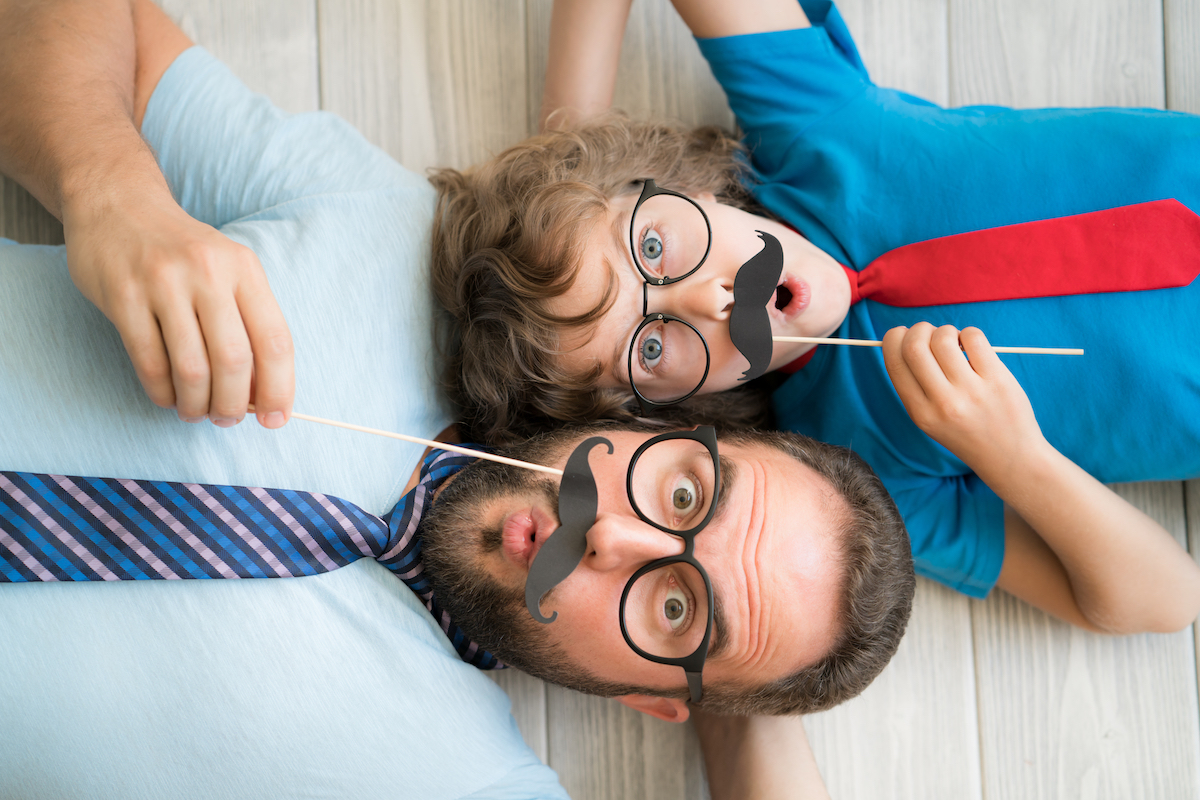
605	751
1028	53
270	44
433	82
913	733
1065	713
1192	504
904	45
1182	25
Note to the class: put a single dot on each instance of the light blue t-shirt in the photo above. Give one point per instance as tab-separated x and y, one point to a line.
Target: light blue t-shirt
339	685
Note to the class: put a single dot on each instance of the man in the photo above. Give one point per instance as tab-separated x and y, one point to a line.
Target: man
285	681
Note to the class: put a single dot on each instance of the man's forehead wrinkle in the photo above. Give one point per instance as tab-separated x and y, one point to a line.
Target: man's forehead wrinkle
758	642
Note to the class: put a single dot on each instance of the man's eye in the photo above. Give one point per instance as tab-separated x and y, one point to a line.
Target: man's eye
650	349
675	606
684	496
652	250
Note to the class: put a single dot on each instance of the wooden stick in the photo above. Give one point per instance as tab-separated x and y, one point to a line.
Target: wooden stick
466	451
1036	351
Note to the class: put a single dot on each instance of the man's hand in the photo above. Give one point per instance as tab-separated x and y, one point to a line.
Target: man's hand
193	308
975	408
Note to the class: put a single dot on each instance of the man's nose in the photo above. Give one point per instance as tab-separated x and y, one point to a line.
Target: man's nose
621	542
694	299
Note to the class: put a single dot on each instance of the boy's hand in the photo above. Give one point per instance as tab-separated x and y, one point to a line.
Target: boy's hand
193	308
975	408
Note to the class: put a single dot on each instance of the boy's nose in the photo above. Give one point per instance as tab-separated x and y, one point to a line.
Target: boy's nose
694	300
621	542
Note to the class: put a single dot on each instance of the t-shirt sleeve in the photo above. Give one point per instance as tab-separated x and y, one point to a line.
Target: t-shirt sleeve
228	153
780	83
956	527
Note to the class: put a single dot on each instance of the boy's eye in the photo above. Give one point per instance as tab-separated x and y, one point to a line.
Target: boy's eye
650	350
652	250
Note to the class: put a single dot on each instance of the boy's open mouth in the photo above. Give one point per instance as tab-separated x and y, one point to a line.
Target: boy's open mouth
791	296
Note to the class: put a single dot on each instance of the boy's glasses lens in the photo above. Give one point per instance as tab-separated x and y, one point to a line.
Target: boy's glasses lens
669	238
668	359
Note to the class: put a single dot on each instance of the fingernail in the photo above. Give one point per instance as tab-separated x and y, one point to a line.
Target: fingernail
225	422
274	420
193	420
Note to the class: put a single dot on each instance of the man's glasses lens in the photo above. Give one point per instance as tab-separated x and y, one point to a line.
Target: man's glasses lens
672	486
666	611
669	237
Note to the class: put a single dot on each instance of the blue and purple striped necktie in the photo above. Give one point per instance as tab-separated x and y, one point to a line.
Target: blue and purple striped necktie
61	528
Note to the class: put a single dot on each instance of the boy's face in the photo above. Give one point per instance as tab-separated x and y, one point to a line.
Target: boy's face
812	298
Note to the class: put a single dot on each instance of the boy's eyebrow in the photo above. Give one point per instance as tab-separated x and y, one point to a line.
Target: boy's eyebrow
621	345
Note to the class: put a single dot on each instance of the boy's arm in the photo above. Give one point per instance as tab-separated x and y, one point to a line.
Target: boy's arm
193	309
581	66
585	46
1073	547
759	758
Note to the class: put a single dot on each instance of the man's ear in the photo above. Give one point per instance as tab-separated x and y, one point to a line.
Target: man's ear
670	709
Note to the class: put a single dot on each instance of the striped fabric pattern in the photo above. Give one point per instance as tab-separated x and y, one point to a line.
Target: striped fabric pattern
64	528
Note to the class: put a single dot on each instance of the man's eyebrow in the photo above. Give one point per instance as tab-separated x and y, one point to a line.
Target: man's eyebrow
717	643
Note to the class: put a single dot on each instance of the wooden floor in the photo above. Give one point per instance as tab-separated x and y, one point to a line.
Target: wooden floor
985	699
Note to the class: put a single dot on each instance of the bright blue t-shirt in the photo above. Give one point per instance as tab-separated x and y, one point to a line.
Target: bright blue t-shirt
861	170
339	685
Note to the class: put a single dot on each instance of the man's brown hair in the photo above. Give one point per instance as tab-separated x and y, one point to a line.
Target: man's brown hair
507	237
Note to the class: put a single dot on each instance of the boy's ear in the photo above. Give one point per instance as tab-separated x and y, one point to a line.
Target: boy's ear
707	197
669	709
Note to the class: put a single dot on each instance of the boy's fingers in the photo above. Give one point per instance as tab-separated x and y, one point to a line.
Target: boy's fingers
907	385
984	360
271	342
944	344
918	355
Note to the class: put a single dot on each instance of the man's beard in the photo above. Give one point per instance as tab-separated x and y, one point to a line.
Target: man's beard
452	541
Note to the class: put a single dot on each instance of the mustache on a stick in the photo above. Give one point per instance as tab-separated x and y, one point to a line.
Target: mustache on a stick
749	323
578	501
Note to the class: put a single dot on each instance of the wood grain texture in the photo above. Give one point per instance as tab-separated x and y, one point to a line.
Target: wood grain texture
904	45
913	733
1027	53
433	82
270	44
1182	29
23	219
1065	713
528	696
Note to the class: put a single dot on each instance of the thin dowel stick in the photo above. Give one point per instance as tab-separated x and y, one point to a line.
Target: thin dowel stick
466	451
1035	351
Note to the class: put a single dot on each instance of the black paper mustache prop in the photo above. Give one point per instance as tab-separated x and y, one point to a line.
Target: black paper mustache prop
562	552
749	323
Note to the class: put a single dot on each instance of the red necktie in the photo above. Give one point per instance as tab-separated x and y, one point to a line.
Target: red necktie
1153	245
1145	246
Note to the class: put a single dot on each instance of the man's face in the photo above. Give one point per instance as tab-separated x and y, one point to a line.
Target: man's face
770	551
812	298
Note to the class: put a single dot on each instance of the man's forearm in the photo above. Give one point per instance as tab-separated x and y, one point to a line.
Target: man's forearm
67	79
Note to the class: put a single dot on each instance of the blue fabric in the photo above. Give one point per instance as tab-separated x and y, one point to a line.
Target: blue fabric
861	170
336	685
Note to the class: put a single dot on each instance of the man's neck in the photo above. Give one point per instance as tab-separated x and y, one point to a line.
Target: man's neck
450	434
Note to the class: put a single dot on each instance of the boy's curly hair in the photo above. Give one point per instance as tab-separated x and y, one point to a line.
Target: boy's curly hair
508	236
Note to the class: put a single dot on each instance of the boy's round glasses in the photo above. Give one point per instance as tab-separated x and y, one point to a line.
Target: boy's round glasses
670	238
666	611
